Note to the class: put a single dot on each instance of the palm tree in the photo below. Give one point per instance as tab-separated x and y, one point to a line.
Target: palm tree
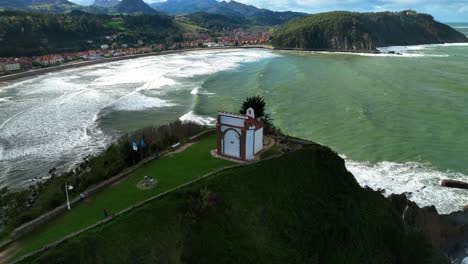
257	103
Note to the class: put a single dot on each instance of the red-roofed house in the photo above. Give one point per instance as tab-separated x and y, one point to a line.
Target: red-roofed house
239	136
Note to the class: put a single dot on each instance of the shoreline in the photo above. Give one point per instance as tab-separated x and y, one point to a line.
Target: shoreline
31	73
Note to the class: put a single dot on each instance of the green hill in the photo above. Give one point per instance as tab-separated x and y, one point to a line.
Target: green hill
216	22
350	31
26	34
303	207
132	7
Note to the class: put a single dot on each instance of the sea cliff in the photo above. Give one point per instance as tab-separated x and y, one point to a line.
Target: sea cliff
349	31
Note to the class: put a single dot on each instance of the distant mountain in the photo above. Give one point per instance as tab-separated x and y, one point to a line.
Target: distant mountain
181	7
255	15
8	4
238	9
25	3
48	6
348	31
132	7
106	3
83	2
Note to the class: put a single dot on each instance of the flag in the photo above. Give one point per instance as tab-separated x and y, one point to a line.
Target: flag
142	144
135	146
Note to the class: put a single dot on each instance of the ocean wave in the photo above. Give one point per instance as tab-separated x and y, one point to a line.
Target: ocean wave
384	53
199	90
53	118
421	182
138	102
199	119
413	48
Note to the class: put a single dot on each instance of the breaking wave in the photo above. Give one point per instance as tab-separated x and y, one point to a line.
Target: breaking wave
420	182
53	120
199	119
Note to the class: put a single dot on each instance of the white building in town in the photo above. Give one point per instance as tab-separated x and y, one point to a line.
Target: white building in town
10	67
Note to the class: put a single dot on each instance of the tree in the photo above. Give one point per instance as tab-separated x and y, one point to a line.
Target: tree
257	103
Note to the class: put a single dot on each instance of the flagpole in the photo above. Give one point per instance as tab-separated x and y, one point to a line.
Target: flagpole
134	149
68	200
141	149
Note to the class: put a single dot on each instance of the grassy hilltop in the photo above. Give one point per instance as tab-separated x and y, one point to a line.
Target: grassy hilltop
303	207
349	31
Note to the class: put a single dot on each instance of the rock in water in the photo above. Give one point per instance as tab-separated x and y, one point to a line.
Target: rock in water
454	184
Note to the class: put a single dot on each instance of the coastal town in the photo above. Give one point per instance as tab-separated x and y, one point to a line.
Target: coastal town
108	47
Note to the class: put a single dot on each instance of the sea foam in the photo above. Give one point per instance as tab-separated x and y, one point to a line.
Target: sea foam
138	102
420	182
198	119
53	119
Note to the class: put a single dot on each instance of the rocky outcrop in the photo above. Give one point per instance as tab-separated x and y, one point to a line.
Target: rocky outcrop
454	184
449	233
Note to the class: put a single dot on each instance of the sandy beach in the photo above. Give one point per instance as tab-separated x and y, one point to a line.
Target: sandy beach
26	74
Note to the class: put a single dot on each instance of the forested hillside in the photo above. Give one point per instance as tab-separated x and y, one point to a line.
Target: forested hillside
216	22
350	31
23	34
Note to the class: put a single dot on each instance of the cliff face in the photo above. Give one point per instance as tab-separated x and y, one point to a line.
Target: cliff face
448	233
349	31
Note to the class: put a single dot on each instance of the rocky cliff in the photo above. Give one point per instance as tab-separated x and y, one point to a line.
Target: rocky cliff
448	233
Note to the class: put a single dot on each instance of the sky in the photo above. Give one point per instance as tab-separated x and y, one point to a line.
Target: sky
442	10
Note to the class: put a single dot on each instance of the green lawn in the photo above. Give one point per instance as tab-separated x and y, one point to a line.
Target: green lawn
170	171
191	28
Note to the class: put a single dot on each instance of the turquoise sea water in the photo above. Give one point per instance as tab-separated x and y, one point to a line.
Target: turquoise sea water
400	121
462	27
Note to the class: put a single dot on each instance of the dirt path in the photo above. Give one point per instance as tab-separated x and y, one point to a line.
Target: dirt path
184	147
9	252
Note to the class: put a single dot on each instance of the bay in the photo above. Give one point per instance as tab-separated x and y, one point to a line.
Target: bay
400	121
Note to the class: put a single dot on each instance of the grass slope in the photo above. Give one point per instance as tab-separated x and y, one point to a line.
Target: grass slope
170	171
303	207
